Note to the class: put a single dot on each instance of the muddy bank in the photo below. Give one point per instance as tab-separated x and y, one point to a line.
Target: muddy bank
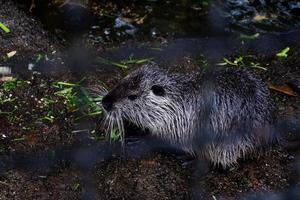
34	116
27	35
63	184
155	177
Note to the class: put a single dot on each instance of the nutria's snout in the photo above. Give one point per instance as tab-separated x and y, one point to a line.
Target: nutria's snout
107	103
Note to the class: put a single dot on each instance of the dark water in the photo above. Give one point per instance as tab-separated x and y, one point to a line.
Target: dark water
105	21
192	27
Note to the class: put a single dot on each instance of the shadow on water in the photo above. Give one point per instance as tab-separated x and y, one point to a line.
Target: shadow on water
208	23
116	21
82	61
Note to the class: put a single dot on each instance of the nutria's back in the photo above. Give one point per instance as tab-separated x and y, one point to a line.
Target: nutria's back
239	116
220	113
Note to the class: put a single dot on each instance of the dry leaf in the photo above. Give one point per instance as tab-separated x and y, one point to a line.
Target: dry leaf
6	78
127	20
5	70
259	17
283	89
141	20
11	54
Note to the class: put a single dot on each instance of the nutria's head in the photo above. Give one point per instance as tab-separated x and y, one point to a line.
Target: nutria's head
148	97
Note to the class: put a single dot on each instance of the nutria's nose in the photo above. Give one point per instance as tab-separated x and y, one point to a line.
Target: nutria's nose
107	103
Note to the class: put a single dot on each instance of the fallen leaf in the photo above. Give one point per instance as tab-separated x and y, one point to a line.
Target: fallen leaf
283	89
11	54
259	17
6	78
141	20
5	70
127	19
250	37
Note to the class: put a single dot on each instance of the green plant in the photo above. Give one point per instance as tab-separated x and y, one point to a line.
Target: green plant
4	28
46	101
19	139
4	99
124	64
76	186
68	92
77	98
49	117
90	106
243	61
257	66
283	53
250	37
205	2
237	61
9	86
115	134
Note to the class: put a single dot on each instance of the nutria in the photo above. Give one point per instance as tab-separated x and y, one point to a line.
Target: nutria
220	114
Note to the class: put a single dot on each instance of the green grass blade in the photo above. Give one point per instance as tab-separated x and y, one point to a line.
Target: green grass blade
249	37
283	53
4	28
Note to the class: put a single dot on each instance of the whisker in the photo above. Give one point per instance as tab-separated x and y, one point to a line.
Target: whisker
104	122
121	128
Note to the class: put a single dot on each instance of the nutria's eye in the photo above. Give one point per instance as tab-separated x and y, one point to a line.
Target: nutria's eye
132	97
158	90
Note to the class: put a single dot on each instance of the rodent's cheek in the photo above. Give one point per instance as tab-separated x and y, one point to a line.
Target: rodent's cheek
118	105
123	105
